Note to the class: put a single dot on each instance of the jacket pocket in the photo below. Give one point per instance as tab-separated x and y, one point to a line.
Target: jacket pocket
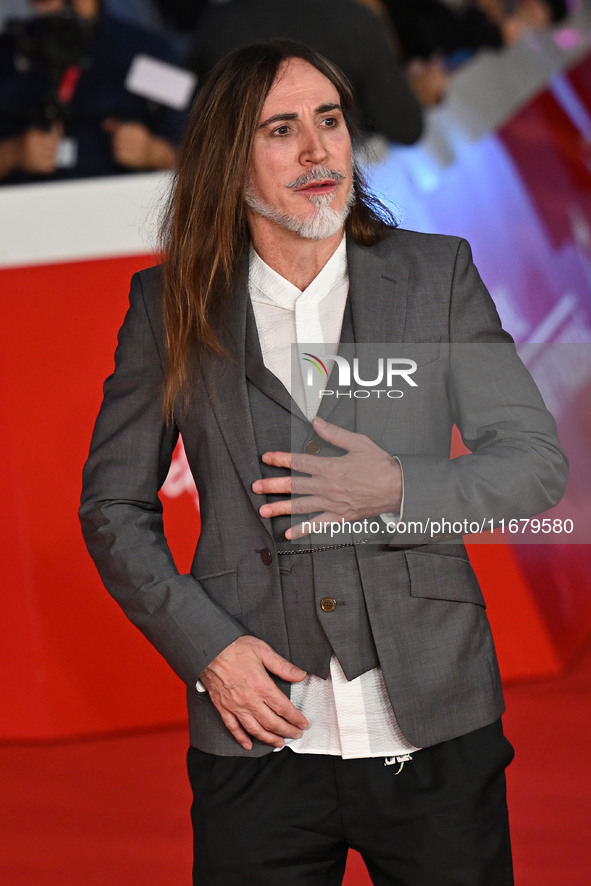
443	577
222	587
424	350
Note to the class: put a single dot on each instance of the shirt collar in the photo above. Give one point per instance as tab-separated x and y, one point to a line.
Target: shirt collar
266	285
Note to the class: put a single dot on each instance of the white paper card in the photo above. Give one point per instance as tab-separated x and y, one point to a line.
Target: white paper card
67	153
160	82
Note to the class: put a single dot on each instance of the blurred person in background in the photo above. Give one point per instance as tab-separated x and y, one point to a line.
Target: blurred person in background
524	14
66	112
435	36
426	27
342	30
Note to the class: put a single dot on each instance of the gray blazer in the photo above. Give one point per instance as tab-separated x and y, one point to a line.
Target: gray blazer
423	600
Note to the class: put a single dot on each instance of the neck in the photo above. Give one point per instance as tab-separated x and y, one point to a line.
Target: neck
294	257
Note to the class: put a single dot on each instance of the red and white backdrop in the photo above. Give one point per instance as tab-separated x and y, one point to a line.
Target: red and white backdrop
518	188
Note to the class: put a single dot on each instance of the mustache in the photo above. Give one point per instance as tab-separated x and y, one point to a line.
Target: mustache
321	173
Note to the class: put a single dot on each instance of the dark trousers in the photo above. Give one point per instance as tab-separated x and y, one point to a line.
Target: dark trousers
288	818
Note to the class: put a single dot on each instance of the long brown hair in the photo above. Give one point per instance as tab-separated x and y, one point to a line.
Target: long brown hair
204	230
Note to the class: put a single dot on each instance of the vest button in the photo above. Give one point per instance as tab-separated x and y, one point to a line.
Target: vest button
266	556
328	604
313	446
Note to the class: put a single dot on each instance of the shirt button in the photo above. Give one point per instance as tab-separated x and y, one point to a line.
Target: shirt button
266	556
313	446
328	604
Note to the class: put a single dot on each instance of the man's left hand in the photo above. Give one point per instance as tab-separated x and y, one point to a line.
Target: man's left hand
134	146
364	482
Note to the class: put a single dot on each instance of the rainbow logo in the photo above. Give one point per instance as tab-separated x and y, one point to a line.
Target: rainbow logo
317	363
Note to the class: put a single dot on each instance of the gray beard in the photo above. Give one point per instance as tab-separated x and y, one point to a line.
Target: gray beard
323	224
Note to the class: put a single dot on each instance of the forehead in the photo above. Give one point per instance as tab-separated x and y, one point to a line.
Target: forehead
298	83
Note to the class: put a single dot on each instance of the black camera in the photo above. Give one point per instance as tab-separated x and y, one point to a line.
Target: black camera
51	44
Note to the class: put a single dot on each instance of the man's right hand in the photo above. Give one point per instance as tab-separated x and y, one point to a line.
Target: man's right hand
33	152
249	702
38	150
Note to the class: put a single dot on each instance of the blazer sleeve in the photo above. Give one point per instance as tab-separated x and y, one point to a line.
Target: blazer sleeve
516	467
121	513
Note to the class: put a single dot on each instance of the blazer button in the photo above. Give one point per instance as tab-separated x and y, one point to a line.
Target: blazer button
328	604
313	446
266	556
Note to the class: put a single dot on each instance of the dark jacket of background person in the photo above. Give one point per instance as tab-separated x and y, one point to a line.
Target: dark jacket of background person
100	94
345	32
181	14
426	27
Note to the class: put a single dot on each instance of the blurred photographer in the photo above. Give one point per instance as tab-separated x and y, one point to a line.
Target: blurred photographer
66	110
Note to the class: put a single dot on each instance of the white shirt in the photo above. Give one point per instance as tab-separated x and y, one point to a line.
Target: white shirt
347	718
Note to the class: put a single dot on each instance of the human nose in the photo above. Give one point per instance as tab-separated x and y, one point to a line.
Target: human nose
312	149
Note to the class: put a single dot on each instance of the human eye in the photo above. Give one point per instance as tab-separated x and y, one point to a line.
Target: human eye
330	122
281	131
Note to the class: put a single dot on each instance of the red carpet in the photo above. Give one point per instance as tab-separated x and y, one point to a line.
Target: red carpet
115	811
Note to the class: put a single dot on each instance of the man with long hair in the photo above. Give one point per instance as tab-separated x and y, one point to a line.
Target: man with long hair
366	664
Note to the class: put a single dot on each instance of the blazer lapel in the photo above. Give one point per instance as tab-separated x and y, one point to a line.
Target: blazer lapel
257	372
378	293
225	380
378	290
